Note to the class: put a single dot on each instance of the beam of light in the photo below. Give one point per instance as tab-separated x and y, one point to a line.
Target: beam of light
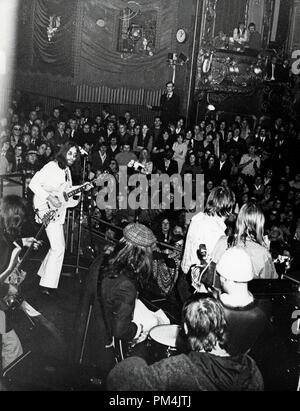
8	27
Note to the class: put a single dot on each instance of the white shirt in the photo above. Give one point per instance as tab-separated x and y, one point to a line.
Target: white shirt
203	229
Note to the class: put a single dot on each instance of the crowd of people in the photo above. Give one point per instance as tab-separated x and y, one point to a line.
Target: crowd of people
251	216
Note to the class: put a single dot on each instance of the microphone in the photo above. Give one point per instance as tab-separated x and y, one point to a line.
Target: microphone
83	152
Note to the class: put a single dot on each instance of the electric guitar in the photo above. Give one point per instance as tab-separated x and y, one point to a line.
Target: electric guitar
64	196
13	274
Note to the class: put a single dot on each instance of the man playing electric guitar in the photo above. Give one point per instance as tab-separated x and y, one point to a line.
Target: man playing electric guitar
12	217
50	186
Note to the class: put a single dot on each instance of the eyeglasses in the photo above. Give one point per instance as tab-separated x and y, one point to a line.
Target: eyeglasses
17	128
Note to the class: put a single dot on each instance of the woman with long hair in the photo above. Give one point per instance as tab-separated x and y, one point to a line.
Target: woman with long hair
124	273
249	234
145	160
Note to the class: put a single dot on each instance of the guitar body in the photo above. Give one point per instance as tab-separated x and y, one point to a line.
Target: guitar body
43	206
13	275
14	259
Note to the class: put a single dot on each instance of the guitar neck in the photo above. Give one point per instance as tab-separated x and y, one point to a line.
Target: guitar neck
78	189
37	237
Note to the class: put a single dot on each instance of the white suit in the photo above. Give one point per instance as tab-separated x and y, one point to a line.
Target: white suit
51	178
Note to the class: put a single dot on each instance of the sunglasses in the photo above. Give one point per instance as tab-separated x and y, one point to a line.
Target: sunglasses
17	128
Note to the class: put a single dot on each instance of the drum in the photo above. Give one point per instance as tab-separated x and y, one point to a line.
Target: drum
162	341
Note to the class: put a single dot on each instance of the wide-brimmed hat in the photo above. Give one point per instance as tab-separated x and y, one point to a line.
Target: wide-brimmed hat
139	235
235	265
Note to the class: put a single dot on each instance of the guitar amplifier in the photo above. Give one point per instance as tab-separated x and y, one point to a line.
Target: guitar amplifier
278	352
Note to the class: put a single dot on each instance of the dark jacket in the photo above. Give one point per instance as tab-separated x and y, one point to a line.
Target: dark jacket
169	108
172	169
197	371
118	295
245	325
97	164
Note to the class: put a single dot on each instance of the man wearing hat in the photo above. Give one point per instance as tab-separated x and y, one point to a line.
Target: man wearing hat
31	164
123	274
246	316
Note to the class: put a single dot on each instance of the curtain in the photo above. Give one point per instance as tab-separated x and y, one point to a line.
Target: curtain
55	55
228	14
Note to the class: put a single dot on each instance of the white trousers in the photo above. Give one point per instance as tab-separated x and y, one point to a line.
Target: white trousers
51	266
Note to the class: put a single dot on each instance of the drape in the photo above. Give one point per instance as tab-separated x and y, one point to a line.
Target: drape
228	14
55	56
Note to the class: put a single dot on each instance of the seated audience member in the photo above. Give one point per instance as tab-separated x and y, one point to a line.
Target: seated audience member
6	157
168	165
249	235
211	170
220	41
258	188
207	366
125	156
180	149
124	273
246	317
224	167
143	140
123	136
113	147
100	159
145	160
162	144
31	164
164	232
254	38
18	159
240	34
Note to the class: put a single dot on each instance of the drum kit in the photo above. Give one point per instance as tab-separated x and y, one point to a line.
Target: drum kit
162	341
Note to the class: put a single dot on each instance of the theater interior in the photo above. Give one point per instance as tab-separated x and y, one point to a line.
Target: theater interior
91	71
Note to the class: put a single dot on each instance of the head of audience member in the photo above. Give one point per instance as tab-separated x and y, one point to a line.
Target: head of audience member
220	202
26	140
126	148
102	148
157	122
41	150
144	156
191	158
12	215
113	166
168	155
252	28
17	131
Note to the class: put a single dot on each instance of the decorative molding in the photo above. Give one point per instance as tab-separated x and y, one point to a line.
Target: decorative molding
78	38
207	33
294	32
121	95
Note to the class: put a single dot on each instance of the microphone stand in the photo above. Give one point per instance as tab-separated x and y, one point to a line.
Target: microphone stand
77	266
